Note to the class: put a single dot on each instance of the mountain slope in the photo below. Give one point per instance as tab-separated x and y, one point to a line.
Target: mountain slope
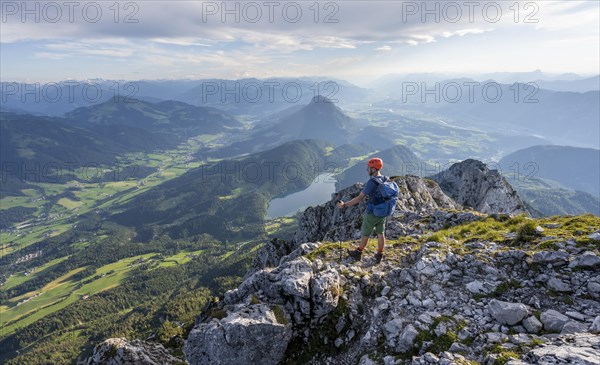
48	149
321	119
166	116
227	199
544	198
574	167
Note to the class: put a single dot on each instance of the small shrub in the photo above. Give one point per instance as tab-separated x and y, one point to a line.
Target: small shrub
217	313
280	315
505	357
254	300
526	233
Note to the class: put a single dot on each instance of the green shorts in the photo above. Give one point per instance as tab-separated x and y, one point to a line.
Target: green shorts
369	222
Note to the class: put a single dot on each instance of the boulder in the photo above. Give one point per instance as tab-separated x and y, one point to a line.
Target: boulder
253	335
407	338
574	327
559	285
555	258
120	351
325	292
553	321
532	324
587	260
595	327
507	313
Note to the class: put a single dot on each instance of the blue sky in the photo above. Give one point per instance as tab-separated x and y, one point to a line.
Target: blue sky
354	40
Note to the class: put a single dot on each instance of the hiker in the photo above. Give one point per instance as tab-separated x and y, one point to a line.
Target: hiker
370	221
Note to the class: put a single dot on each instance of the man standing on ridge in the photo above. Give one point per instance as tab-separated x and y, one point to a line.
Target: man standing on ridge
370	221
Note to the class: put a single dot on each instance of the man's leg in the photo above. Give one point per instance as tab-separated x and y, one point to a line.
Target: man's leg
380	230
363	242
380	241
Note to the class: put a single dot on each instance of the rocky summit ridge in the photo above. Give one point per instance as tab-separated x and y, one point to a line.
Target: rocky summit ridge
455	286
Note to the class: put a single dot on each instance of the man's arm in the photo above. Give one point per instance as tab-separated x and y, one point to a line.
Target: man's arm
352	202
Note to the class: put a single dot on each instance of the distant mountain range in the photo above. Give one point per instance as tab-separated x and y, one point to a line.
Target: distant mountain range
544	198
46	149
256	97
96	135
167	116
563	82
573	167
499	108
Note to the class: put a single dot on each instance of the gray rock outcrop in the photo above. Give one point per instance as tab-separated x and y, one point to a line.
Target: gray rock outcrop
120	351
252	335
418	199
580	349
472	184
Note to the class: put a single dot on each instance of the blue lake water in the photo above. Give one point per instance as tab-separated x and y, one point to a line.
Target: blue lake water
318	192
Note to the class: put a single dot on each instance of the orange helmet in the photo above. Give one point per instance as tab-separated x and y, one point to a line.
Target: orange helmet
375	163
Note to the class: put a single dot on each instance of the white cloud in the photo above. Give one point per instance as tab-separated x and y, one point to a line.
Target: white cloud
463	32
174	34
185	42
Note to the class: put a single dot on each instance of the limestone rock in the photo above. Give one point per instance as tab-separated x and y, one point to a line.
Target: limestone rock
472	184
581	349
325	292
507	313
595	327
550	257
120	351
553	321
532	324
587	260
559	285
407	338
573	327
243	337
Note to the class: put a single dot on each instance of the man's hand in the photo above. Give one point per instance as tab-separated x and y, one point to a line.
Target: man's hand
341	204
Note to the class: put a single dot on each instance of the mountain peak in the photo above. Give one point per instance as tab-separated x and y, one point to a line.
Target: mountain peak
472	184
321	99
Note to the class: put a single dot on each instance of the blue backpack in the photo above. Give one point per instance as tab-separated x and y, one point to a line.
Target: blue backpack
385	197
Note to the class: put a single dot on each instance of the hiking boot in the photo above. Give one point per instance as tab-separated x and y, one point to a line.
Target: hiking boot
378	257
355	254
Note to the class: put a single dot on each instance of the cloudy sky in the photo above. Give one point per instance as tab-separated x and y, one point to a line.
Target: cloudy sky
355	40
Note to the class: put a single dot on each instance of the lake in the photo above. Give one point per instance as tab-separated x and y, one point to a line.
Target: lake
318	192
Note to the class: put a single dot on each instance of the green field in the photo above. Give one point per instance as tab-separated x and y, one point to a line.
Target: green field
61	292
92	196
20	277
62	215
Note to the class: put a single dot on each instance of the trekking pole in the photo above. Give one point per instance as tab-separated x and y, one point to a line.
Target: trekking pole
335	221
